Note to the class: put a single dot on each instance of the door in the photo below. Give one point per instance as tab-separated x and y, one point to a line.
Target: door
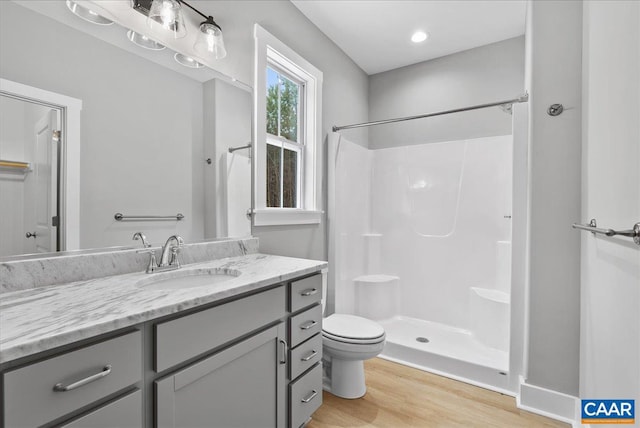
610	267
41	204
242	386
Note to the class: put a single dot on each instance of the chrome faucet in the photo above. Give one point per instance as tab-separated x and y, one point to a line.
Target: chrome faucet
173	262
169	258
140	236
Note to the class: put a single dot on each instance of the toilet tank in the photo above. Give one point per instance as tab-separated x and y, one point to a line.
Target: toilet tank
377	296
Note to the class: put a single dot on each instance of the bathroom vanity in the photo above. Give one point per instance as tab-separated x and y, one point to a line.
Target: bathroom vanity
118	351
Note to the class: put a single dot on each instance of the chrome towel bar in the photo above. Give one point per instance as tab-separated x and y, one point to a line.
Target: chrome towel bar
233	149
593	228
122	217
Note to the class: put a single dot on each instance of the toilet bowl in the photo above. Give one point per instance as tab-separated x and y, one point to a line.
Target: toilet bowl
348	340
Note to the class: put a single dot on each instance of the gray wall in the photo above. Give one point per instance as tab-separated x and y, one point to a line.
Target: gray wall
141	151
485	74
555	159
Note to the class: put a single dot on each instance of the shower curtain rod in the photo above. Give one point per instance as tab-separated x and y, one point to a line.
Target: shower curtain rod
521	99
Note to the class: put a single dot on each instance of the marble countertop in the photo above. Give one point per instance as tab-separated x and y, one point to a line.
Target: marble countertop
44	318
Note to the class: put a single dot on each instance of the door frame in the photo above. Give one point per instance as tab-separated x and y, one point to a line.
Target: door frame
69	158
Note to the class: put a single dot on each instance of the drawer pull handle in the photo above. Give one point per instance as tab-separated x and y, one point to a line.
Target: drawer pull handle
309	292
59	387
308	325
310	396
312	354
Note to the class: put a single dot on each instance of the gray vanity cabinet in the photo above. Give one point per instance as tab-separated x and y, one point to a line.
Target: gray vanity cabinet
250	361
242	386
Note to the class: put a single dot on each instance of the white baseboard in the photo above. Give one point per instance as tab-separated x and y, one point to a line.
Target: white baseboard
549	403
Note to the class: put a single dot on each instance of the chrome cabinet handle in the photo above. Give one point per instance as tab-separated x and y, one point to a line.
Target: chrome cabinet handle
30	235
308	325
310	396
309	292
60	387
312	354
283	359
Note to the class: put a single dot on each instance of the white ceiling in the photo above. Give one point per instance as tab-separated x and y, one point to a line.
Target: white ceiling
376	33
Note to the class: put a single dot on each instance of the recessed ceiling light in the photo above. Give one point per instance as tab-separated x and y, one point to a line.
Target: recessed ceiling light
419	37
144	41
87	14
187	61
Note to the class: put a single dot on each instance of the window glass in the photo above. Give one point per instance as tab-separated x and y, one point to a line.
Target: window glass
290	179
283	100
274	158
283	145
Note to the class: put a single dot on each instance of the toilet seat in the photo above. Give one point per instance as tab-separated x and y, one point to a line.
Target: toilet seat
352	329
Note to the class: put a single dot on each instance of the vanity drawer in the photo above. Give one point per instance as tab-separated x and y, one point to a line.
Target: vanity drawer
305	355
305	292
33	395
306	396
189	336
124	412
305	325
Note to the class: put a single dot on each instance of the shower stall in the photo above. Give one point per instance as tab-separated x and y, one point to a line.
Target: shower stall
427	231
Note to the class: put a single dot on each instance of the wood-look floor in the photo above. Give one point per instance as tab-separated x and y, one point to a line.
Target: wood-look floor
399	396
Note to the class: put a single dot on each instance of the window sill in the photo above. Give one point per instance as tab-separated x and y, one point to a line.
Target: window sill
285	216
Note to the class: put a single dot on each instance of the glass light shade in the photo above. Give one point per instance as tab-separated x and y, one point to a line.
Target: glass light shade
167	14
87	14
187	61
144	41
210	41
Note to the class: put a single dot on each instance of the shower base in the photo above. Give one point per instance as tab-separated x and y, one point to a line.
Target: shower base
445	350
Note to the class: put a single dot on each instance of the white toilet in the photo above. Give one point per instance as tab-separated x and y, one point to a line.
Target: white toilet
348	340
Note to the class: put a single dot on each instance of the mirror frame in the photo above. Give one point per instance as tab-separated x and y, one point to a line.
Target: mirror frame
69	191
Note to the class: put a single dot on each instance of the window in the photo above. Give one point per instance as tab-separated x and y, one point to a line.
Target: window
287	102
284	141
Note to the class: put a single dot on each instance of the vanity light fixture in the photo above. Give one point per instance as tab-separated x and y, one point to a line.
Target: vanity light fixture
168	14
419	37
209	41
187	61
144	41
87	14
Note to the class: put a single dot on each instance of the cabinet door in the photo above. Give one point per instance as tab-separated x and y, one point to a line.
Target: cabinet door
242	386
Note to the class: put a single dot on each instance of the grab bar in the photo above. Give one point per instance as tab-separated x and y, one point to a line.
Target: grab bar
122	217
593	228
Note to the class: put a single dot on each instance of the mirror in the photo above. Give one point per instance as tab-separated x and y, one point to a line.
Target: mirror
148	129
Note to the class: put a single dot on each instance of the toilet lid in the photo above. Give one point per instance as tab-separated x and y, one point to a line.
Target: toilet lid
351	327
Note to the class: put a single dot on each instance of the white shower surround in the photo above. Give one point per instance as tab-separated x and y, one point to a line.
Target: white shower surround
438	216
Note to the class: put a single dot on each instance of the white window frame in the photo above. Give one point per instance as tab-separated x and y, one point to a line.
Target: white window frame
270	50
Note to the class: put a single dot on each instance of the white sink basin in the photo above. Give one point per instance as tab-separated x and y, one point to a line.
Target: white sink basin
179	279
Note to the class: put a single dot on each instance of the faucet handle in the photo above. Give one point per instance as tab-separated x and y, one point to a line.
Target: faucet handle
151	267
175	260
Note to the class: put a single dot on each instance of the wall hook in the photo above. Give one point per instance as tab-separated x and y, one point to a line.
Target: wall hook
555	109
